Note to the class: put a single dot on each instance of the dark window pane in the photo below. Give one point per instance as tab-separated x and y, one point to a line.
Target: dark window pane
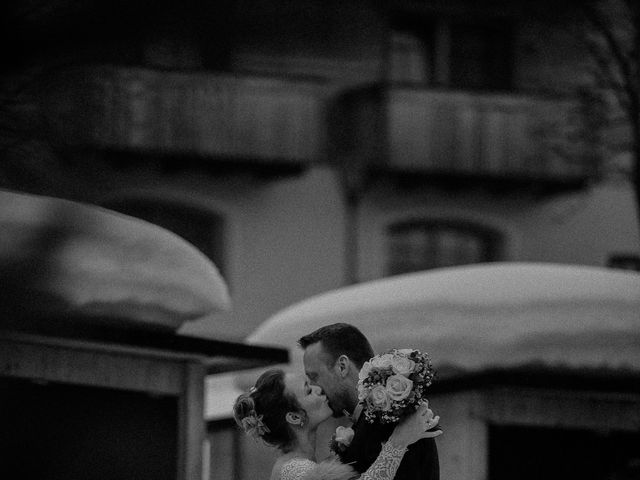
411	49
481	56
422	245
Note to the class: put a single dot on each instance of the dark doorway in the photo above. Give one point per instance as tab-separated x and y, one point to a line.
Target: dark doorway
529	453
54	432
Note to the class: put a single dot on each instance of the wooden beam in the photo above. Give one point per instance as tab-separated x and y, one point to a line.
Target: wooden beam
81	364
220	355
590	410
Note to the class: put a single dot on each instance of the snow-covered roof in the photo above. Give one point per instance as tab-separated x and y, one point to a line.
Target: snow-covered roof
497	315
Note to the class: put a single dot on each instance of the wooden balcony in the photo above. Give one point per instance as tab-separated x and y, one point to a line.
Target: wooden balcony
220	118
503	141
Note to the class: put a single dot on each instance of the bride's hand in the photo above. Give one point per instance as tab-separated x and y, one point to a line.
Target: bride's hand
415	427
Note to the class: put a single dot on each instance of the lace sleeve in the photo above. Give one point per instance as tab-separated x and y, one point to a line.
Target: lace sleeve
296	469
386	465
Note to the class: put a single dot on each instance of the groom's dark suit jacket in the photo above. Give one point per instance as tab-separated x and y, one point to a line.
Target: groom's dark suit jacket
420	462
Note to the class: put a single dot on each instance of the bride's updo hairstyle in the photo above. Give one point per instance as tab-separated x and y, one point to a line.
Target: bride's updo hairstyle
261	412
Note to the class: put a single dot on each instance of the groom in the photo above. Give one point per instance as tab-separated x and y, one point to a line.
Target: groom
333	357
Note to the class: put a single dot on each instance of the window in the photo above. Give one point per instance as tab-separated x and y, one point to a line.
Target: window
410	60
424	244
201	228
480	56
412	49
450	52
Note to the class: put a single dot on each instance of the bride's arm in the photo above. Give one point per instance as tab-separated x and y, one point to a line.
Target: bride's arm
407	432
386	465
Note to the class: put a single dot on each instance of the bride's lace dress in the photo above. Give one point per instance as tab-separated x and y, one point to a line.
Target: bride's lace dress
384	468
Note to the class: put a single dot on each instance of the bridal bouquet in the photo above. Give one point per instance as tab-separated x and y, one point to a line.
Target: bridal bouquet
393	384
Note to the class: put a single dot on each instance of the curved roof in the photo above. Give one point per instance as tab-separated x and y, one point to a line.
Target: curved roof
59	257
471	318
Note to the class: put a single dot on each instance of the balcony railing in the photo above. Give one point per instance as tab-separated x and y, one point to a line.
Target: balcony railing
464	134
131	109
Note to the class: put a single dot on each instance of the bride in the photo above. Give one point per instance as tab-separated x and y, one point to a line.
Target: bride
285	411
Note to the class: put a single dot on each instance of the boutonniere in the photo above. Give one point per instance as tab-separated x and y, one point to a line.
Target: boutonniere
341	439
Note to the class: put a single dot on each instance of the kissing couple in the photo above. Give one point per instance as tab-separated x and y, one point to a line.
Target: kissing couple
285	409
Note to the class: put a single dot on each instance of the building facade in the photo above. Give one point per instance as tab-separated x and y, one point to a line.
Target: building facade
308	145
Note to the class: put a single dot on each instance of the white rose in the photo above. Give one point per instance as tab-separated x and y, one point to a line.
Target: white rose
406	351
403	365
378	398
398	387
382	361
362	392
364	371
344	435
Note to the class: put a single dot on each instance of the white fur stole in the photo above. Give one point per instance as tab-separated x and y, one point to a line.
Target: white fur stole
331	470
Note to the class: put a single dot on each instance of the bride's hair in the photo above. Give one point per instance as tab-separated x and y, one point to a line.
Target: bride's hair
261	412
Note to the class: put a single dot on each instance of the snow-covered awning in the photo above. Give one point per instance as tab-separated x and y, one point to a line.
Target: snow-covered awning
486	316
64	258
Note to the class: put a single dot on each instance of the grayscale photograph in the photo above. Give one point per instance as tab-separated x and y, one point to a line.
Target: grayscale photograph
320	240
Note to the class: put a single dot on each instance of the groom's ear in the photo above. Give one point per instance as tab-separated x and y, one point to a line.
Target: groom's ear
343	365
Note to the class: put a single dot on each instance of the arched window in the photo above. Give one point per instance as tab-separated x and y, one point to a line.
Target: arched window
424	244
201	228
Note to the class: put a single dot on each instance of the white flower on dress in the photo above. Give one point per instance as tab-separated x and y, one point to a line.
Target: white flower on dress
341	439
344	435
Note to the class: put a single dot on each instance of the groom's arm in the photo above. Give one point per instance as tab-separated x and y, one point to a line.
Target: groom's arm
420	462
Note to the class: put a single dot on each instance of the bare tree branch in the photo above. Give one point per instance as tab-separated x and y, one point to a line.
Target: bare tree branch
620	57
606	76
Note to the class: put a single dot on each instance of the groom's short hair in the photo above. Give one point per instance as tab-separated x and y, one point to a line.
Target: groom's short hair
340	339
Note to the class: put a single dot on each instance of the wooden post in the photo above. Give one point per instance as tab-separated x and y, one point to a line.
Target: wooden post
191	429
